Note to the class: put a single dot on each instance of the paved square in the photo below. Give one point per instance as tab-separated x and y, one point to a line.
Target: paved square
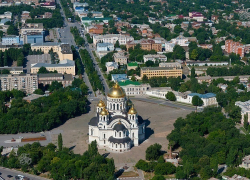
159	119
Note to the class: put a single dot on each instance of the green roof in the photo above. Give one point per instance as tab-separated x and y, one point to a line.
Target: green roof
133	64
128	82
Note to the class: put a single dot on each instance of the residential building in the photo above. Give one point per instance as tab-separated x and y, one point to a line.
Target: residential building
64	66
243	79
24	82
196	16
245	162
33	37
6	14
78	4
47	15
49	5
134	87
112	38
65	79
13	70
111	66
132	65
120	58
234	47
62	49
154	57
146	44
6	47
161	71
119	77
10	40
245	110
116	125
95	29
180	40
31	27
104	47
25	15
201	79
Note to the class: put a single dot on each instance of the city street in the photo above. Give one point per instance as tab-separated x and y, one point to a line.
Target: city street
67	37
9	174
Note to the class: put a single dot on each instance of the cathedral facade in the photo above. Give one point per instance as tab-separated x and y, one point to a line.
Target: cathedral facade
116	126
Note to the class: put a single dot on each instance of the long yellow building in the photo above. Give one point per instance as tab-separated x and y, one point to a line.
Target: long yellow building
161	71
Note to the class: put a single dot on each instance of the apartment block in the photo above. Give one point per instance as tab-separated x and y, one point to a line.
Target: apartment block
65	66
63	50
154	57
112	38
119	57
161	72
31	27
234	47
65	79
146	44
24	82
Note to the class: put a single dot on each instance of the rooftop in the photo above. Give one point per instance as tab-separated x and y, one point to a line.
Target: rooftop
66	49
133	64
159	68
63	63
204	96
66	77
128	82
46	44
32	97
93	19
18	68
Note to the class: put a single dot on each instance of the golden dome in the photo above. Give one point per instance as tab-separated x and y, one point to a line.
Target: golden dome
132	110
101	104
116	92
104	112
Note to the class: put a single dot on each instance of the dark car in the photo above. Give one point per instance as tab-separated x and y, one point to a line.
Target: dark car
9	176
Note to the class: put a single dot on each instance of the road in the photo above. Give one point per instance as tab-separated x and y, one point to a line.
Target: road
5	172
67	37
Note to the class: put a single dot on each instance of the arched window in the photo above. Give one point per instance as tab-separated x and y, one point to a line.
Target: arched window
104	127
116	146
113	106
110	106
120	145
104	118
104	142
104	136
120	134
117	106
132	135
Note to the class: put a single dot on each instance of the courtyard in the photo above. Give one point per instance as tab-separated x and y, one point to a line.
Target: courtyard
159	120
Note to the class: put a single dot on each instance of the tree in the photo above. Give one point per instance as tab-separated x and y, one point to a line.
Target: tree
117	44
192	72
145	79
197	101
5	60
90	15
39	91
165	168
133	78
170	96
12	30
153	152
60	142
55	85
179	53
246	124
42	70
194	54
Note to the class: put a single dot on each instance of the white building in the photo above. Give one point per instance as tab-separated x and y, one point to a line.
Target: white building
111	66
170	64
245	110
112	38
10	40
120	57
206	63
105	47
134	87
180	40
7	14
154	57
117	126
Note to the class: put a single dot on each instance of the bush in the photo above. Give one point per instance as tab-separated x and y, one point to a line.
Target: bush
165	168
170	96
153	152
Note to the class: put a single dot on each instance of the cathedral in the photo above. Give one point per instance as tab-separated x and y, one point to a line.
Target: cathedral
116	126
